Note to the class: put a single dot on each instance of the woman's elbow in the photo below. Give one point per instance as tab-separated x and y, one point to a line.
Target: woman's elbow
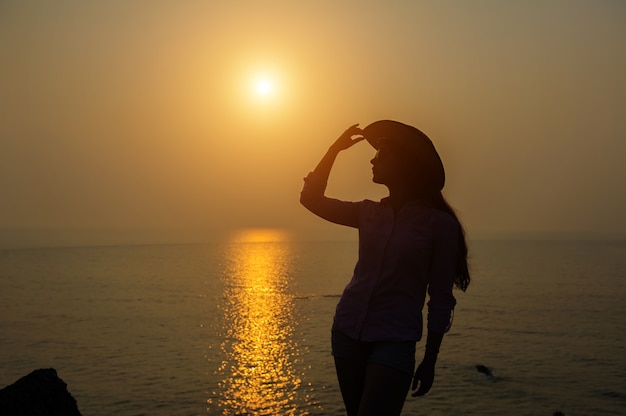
308	201
304	200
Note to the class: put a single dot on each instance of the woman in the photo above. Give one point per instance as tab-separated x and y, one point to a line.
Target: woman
410	244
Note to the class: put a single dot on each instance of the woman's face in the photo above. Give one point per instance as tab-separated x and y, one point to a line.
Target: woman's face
391	166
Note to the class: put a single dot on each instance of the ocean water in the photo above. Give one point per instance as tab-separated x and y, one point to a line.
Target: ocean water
239	328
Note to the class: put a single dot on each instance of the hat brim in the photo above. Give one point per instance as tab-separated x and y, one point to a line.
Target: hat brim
380	129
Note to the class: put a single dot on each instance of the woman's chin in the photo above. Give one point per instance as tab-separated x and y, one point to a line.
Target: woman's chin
376	179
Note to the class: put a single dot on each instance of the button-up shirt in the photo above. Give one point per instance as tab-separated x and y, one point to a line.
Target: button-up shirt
403	256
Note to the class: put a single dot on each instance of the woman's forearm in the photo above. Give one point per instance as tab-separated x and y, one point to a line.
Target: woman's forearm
325	165
344	141
312	195
315	182
433	343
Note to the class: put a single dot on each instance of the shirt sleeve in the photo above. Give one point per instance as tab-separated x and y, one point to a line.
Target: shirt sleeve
330	209
443	272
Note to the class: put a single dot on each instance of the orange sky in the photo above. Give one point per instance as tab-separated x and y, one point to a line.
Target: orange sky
131	116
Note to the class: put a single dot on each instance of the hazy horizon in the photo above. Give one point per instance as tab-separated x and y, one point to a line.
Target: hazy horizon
129	121
58	238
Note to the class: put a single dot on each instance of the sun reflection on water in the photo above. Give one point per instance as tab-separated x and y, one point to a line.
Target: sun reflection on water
258	376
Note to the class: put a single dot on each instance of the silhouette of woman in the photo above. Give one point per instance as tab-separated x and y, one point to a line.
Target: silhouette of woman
410	244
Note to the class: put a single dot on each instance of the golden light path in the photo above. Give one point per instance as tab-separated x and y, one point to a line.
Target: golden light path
258	376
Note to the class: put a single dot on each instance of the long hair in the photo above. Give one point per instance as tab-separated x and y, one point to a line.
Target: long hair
462	278
427	175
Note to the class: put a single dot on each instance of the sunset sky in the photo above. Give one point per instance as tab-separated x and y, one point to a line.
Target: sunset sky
192	117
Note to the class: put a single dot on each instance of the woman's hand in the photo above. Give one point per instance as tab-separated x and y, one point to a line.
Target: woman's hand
424	375
347	139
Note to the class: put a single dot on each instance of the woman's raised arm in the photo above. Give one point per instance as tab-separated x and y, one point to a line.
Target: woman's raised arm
312	195
345	141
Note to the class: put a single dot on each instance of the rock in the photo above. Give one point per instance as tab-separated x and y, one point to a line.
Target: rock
485	370
40	393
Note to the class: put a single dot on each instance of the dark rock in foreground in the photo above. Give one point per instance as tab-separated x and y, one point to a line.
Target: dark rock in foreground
41	393
485	370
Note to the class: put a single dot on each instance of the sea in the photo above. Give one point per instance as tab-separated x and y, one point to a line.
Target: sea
243	328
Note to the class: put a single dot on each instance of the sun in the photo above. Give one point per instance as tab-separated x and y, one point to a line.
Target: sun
264	90
264	87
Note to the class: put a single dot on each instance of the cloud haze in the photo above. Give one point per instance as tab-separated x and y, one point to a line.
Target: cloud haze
118	117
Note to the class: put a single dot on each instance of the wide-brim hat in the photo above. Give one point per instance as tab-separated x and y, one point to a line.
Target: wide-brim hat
413	141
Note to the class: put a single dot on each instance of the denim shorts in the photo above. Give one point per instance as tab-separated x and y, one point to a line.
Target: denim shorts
399	355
